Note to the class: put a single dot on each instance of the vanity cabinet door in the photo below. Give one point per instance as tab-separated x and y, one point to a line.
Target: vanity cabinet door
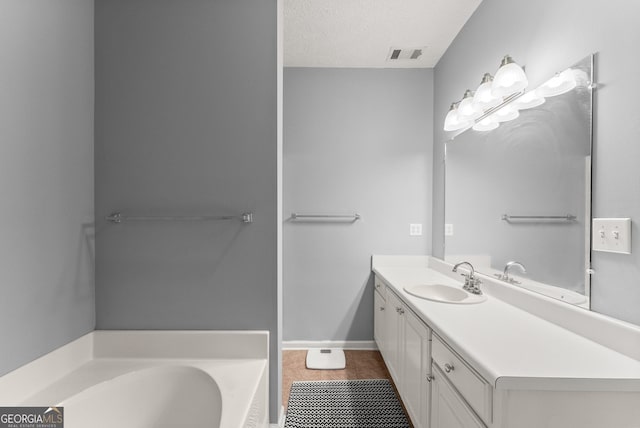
416	362
448	408
393	316
379	308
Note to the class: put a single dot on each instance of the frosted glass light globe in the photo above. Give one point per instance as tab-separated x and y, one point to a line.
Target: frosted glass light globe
484	97
559	84
505	114
467	110
529	100
509	79
452	121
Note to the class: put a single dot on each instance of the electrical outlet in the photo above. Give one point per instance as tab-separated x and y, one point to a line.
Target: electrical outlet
612	235
448	229
415	229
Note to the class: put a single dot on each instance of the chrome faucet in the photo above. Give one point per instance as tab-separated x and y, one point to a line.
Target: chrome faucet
505	273
471	283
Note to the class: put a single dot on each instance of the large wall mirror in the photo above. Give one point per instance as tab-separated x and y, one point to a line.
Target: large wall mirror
522	192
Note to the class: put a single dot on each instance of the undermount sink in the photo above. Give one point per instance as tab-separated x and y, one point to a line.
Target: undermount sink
444	293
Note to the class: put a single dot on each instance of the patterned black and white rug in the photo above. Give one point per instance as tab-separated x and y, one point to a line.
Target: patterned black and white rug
344	404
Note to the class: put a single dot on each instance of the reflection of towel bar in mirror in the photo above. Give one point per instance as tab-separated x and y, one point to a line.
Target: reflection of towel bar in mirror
568	217
117	217
319	217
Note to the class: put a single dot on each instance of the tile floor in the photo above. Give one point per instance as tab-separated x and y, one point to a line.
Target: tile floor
359	365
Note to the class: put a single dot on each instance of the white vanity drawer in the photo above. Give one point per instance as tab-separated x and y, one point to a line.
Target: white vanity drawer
471	386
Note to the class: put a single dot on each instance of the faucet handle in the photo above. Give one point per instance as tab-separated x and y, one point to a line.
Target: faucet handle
467	279
474	286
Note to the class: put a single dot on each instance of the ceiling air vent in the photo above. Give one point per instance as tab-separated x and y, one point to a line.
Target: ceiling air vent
404	54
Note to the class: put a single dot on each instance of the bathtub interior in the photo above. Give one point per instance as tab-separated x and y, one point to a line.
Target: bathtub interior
169	396
145	393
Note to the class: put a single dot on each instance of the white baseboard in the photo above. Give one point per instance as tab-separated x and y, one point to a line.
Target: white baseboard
360	345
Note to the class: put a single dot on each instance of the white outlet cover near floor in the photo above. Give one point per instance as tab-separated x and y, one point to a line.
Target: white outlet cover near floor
326	359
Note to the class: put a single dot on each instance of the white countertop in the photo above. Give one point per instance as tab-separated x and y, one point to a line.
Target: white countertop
511	348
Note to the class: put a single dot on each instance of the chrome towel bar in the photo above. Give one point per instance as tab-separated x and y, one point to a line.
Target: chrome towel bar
348	217
118	217
568	217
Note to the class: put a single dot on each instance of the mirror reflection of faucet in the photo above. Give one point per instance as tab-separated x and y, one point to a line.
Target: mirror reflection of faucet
471	283
504	276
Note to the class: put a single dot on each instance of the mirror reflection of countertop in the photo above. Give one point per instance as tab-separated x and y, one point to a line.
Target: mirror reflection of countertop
510	347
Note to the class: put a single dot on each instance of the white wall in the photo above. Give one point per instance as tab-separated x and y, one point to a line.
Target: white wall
46	176
355	141
547	36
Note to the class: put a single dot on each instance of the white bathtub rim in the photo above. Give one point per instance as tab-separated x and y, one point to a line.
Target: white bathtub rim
194	344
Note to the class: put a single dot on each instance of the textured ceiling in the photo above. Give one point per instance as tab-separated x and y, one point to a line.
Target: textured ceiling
360	33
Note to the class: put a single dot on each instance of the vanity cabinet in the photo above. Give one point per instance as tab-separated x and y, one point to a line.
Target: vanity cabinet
405	343
455	393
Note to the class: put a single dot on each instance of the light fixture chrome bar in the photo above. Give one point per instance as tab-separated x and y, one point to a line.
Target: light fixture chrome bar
505	101
352	217
118	217
568	217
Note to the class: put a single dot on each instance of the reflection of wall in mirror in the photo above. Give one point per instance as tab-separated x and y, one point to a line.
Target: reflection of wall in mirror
534	165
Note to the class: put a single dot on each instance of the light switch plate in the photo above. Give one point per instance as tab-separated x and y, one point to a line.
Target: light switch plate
612	235
415	229
448	229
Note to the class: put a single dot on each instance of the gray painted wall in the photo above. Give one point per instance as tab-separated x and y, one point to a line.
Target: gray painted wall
186	125
547	36
355	140
46	177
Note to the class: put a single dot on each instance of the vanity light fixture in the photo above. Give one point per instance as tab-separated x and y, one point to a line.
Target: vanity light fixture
558	84
487	106
484	97
509	79
453	122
